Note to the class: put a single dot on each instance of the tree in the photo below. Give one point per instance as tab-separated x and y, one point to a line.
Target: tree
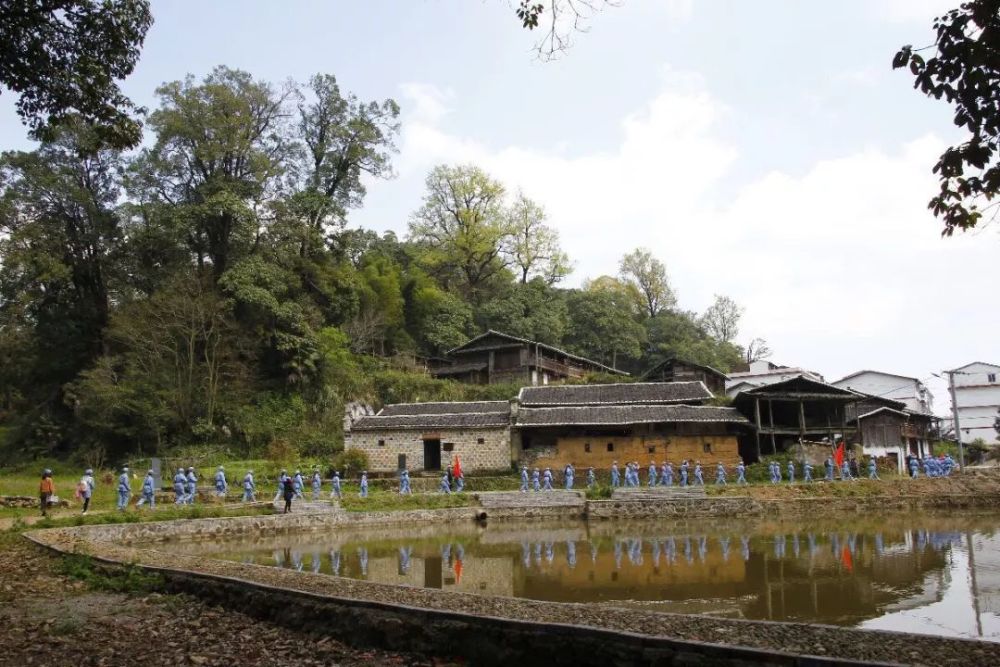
533	310
965	71
722	318
680	334
602	324
756	350
343	139
649	277
61	242
63	59
462	229
533	245
219	153
560	21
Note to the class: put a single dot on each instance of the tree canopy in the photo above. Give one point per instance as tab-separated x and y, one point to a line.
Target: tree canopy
64	58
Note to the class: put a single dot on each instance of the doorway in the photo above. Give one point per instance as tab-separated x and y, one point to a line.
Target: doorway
432	454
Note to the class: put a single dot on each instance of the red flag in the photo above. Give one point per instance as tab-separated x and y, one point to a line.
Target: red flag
838	456
457	468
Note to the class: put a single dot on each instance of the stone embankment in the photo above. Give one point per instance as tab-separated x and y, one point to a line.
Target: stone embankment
485	629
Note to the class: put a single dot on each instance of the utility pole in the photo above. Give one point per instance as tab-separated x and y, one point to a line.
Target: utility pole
954	417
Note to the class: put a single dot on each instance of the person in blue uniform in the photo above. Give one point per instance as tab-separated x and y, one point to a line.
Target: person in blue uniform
741	472
615	475
249	488
791	472
667	476
829	469
335	490
180	482
652	474
535	484
547	479
317	484
568	474
872	469
148	491
591	478
524	479
221	485
720	473
191	487
445	487
698	478
684	472
807	471
124	489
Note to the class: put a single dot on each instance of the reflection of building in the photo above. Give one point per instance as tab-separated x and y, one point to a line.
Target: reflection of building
593	425
977	397
495	357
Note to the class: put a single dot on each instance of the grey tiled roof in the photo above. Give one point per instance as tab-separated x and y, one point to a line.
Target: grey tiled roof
628	393
431	422
433	416
481	342
615	415
445	408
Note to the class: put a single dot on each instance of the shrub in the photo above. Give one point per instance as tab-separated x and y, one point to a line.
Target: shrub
350	460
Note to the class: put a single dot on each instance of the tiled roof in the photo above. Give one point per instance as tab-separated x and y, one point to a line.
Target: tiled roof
620	415
478	344
458	369
445	408
628	393
433	416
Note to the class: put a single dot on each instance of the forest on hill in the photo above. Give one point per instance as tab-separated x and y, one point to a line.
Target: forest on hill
207	286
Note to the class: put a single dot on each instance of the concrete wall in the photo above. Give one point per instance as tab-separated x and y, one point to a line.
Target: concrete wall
632	448
493	453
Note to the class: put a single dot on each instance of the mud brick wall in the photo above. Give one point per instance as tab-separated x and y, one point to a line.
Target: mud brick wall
632	448
492	453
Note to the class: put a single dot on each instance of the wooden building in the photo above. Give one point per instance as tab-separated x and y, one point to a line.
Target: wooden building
796	410
679	370
594	425
495	357
888	428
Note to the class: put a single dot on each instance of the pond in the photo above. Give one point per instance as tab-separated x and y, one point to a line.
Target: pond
929	575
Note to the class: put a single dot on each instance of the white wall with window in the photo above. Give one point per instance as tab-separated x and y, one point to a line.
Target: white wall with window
977	396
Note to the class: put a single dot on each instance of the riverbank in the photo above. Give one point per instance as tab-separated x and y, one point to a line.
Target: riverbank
483	629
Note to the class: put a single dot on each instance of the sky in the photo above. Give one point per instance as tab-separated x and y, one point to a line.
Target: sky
762	150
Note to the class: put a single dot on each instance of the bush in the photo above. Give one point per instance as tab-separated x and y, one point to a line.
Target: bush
280	451
350	460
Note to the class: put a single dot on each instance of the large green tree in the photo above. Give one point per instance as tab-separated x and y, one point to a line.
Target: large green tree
64	58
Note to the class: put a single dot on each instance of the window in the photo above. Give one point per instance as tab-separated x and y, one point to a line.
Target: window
611	446
480	441
991	377
586	447
381	443
448	446
651	449
707	448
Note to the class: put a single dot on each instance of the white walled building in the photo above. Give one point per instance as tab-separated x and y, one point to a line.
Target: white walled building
908	390
977	396
762	372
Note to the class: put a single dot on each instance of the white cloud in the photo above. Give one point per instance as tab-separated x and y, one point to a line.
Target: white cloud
840	267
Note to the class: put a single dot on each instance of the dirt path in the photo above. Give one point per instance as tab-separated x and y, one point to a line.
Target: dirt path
49	618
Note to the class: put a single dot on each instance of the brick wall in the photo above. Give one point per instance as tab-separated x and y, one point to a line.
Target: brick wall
632	448
493	453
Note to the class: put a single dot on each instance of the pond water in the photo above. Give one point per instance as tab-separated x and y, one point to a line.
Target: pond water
930	575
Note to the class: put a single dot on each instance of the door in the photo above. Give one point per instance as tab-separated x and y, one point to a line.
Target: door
432	454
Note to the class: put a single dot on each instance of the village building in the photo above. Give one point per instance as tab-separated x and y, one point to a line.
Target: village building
909	390
495	357
888	429
797	410
763	372
977	399
428	436
595	425
679	370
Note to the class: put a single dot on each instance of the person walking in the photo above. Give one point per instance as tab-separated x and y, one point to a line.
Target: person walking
86	488
873	469
364	484
124	489
180	482
317	484
249	488
335	483
221	485
288	492
46	489
524	479
615	475
720	474
741	472
191	487
148	491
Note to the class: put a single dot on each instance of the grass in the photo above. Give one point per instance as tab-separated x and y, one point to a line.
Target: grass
129	579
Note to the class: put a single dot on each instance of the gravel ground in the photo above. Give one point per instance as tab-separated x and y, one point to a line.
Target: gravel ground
796	638
47	619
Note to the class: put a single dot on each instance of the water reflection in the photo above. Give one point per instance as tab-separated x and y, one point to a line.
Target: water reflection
932	575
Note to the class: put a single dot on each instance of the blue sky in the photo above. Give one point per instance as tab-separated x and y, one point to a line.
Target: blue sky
763	150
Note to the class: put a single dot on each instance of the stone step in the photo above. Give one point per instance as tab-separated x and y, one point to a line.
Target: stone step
503	499
659	493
